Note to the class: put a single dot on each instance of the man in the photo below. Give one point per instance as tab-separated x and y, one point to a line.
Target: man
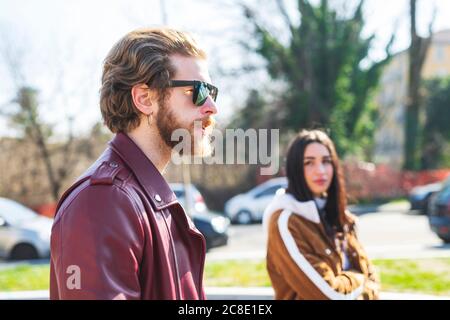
119	232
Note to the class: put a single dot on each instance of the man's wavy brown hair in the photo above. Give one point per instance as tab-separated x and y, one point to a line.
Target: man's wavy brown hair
141	56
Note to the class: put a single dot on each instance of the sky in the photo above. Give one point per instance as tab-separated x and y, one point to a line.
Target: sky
59	46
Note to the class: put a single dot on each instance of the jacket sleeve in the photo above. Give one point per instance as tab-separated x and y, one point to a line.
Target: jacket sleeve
372	283
304	269
96	246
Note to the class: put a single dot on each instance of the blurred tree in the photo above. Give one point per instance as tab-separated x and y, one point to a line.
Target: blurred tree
417	54
253	115
51	159
328	74
435	151
31	126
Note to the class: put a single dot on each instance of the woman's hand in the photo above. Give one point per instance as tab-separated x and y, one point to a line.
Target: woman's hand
371	290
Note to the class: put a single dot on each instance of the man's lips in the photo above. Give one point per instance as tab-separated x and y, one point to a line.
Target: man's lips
208	122
207	125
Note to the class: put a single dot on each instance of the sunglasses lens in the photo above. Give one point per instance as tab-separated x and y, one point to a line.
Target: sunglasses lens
201	95
213	93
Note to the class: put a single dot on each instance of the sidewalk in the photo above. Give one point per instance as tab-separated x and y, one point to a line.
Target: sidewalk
359	209
266	293
227	293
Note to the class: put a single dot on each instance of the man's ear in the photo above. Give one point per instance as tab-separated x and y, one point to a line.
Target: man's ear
144	98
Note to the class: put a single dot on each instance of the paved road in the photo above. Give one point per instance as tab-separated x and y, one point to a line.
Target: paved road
392	232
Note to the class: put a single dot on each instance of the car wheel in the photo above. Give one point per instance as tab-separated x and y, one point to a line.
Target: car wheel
208	245
445	239
23	251
426	203
244	217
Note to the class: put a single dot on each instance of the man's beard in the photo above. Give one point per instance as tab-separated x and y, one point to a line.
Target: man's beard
200	145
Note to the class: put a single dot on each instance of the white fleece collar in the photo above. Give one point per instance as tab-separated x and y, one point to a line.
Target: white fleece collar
286	201
320	202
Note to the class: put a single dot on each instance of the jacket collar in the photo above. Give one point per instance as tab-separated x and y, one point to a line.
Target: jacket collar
151	180
285	201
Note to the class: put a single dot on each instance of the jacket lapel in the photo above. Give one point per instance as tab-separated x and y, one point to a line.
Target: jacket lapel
151	180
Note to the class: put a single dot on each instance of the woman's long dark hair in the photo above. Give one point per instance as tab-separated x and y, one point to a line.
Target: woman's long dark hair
336	202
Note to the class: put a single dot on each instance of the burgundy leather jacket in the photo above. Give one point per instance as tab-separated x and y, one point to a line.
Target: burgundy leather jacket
120	233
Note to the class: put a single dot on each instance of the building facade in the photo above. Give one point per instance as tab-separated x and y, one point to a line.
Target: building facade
392	95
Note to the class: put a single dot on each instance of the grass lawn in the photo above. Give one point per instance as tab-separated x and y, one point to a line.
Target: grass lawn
423	275
401	200
430	276
427	276
24	278
236	273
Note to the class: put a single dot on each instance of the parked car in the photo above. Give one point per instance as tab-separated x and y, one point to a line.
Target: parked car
420	196
213	226
439	212
249	207
23	233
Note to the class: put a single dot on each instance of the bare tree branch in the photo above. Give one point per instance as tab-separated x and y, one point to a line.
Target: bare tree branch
285	16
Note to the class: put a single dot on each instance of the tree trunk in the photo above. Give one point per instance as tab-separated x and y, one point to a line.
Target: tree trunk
417	55
27	103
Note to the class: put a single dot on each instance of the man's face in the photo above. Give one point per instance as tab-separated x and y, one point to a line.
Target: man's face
179	111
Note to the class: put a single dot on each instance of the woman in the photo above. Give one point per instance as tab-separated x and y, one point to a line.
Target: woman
313	251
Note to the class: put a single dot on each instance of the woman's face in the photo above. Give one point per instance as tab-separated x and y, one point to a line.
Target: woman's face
318	168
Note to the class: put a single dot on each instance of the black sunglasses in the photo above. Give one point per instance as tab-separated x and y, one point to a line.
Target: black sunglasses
201	90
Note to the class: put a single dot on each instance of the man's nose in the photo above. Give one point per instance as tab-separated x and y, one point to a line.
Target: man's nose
209	107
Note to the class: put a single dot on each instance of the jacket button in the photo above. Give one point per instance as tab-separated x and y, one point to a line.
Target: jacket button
158	198
113	165
327	251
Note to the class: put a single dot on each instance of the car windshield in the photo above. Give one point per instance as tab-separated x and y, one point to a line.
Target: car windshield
14	212
178	193
270	191
446	182
444	194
